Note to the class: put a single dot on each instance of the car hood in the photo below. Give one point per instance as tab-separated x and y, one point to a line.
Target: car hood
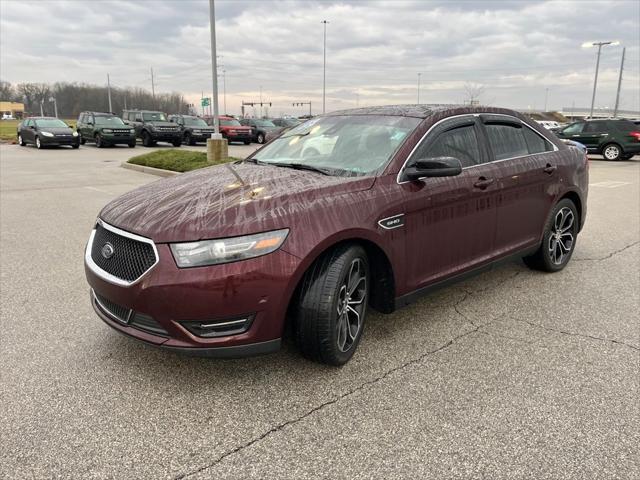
55	130
162	124
214	203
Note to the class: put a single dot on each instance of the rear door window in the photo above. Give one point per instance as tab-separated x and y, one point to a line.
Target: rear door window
506	140
573	129
595	127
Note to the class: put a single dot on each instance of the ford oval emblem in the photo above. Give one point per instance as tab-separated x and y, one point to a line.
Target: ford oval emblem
107	250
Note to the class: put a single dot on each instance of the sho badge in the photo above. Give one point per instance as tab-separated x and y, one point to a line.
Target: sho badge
390	223
107	250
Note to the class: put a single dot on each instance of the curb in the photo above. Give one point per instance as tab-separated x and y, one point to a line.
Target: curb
153	171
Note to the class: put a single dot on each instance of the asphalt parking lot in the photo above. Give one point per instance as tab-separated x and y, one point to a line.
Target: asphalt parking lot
512	374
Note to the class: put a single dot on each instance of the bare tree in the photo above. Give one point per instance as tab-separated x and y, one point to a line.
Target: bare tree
473	92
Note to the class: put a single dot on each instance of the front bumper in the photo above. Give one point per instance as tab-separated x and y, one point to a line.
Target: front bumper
115	139
260	287
59	141
238	136
166	136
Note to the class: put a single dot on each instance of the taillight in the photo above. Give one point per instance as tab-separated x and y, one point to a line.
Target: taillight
635	134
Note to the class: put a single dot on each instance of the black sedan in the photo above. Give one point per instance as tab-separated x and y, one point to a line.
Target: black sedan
47	132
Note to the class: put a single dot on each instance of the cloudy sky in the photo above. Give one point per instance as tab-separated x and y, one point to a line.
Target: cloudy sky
515	49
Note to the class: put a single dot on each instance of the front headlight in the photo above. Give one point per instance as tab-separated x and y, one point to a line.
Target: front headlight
132	131
75	134
197	131
107	130
47	134
225	250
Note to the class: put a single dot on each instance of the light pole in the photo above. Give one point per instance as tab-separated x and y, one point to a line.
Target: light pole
109	92
419	75
224	89
324	67
546	97
595	79
615	109
214	70
55	105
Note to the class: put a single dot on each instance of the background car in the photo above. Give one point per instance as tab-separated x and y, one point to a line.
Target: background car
104	129
46	132
613	139
152	127
286	122
234	131
260	128
194	129
549	125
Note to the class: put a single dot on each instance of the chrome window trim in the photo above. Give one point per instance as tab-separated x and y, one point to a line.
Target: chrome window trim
106	275
404	165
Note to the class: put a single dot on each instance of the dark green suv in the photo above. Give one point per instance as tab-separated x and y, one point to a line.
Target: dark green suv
194	129
613	139
153	127
104	129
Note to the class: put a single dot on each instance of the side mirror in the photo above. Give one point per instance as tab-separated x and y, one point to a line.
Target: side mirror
434	167
32	127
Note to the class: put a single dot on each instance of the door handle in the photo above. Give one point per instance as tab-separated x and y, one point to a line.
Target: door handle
483	183
550	168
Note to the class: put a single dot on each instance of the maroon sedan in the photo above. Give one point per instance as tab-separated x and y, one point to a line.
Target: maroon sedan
356	209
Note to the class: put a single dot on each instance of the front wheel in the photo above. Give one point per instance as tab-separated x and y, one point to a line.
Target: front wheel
99	141
147	141
612	152
260	138
558	240
188	139
332	305
132	144
38	143
177	143
627	156
247	142
82	139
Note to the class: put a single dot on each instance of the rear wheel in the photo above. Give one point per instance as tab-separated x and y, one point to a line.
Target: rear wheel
188	139
332	305
612	152
558	240
21	141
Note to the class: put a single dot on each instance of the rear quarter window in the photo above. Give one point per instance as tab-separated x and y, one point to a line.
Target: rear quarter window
535	142
625	126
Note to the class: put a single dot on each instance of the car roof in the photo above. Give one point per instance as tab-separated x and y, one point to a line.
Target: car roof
421	110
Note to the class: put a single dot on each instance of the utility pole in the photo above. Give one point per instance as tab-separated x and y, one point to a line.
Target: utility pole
324	68
224	89
300	104
55	105
615	109
260	101
214	70
595	79
546	97
109	92
419	75
153	87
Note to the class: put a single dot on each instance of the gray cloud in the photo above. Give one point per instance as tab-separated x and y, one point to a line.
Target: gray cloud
516	49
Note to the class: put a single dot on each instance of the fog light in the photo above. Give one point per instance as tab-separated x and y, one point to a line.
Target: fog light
219	328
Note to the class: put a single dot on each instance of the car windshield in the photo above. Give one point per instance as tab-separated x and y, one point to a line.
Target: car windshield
264	123
154	117
229	123
195	122
104	120
290	122
51	123
341	145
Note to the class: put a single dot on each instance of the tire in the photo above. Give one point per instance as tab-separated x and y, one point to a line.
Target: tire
39	145
328	324
132	144
82	140
75	146
558	240
247	142
260	138
188	139
177	143
99	141
147	141
612	152
21	141
627	156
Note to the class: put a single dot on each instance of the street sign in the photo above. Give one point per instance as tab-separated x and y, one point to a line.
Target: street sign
205	102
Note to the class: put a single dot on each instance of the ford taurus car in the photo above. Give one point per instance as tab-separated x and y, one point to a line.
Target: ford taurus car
402	200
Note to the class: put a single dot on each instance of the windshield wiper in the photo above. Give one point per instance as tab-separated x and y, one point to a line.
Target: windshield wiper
302	166
296	135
